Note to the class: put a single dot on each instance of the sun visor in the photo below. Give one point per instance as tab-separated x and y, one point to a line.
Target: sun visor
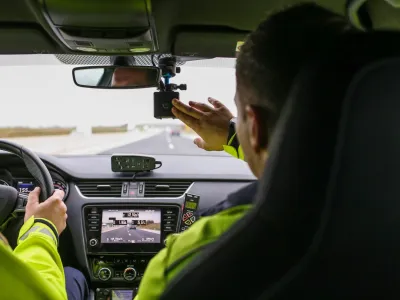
102	27
208	43
25	41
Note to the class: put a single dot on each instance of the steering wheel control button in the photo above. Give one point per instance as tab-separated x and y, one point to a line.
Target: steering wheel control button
129	274
93	242
104	274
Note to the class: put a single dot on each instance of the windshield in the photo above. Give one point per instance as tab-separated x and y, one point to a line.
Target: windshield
48	113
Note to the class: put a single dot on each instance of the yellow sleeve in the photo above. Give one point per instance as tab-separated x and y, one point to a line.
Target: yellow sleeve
37	247
154	277
181	248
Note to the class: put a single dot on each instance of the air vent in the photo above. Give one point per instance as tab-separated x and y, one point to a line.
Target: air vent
100	188
166	189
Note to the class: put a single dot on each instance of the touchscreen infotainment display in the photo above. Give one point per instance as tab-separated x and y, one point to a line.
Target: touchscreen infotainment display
121	295
131	226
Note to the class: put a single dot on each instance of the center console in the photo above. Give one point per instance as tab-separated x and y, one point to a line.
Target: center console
121	240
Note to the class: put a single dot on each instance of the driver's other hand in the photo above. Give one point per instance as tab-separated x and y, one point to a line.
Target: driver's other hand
211	123
3	239
53	209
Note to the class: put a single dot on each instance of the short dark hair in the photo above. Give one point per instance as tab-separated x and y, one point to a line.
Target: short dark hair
275	52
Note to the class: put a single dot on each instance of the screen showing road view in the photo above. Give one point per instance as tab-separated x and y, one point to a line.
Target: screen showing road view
131	226
121	295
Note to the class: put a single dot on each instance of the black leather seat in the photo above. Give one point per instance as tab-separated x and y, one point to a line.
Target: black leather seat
326	224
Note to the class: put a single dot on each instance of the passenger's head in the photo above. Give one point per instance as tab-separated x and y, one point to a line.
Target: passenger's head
129	77
266	66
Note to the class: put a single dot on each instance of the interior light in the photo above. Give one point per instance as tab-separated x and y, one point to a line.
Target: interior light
139	50
86	49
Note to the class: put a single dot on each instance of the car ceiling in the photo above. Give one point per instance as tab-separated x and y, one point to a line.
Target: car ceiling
22	30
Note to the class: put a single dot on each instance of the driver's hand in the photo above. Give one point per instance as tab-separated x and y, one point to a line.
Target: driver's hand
3	239
211	123
53	209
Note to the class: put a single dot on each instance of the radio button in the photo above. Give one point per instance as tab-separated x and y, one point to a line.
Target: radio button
104	274
93	222
169	212
168	228
93	228
129	274
93	210
169	217
93	217
169	222
93	242
118	274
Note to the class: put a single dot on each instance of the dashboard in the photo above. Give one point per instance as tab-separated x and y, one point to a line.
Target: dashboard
20	179
117	221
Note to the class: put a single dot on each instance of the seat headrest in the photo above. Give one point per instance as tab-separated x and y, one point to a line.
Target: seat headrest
327	213
368	15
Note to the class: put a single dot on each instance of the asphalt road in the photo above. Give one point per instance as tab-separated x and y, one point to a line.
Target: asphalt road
163	143
128	235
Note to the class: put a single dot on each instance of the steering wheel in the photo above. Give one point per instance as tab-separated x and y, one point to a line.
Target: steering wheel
10	200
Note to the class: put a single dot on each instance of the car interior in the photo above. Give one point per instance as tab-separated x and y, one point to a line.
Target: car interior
325	218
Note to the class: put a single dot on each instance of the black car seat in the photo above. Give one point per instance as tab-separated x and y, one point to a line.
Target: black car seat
326	223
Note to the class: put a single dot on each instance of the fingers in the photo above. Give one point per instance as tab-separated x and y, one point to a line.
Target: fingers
58	194
57	200
186	109
199	143
216	103
188	120
33	196
200	106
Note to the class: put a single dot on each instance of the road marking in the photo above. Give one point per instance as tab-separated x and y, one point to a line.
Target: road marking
171	146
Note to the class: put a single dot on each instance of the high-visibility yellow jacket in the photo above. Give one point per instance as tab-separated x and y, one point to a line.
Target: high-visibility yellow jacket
181	248
234	148
34	269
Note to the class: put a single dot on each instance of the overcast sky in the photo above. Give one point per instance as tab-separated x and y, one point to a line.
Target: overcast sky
37	93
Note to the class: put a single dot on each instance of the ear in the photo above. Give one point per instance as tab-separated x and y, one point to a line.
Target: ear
254	125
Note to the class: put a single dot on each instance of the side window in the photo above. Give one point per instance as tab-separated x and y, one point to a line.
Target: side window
89	77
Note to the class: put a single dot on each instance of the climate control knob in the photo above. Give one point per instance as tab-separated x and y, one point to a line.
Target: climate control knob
93	242
104	274
129	274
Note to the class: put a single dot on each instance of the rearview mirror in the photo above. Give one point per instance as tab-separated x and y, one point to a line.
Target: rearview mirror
116	77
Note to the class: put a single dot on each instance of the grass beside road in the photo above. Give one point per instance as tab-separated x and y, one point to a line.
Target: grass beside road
154	226
16	132
110	129
13	132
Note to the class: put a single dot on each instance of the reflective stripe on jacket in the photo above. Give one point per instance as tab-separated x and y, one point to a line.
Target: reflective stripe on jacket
34	269
233	148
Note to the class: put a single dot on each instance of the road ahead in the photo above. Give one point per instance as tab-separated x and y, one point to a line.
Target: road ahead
129	235
163	143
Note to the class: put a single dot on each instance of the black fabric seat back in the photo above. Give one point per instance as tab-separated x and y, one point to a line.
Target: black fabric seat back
326	224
